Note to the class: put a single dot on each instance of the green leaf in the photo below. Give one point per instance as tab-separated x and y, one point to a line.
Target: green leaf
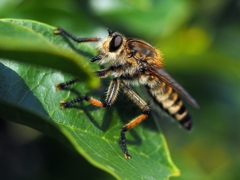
28	96
34	42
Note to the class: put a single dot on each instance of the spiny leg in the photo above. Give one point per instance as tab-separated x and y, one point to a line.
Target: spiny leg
145	111
103	73
80	99
128	126
110	98
79	40
63	85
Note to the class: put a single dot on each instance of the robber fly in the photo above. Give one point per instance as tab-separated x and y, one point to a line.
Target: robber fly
133	61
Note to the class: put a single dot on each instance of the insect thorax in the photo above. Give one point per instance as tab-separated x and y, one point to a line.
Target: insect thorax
130	61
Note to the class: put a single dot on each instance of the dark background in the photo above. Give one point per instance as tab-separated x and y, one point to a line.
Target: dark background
200	40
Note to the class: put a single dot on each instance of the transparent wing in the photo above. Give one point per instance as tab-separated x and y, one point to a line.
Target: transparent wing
165	77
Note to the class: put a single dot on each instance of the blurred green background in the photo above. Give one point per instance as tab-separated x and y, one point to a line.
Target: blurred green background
200	40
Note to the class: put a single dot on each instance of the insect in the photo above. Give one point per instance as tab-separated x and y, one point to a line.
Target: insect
132	61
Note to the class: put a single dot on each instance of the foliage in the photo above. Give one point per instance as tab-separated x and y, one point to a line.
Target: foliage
200	42
32	87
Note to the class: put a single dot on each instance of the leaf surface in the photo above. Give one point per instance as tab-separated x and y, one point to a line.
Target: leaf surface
29	97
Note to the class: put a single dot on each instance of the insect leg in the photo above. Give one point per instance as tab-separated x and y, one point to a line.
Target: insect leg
110	98
103	73
145	111
63	85
79	40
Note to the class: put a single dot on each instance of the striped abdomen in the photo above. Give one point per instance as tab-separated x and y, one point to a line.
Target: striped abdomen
169	100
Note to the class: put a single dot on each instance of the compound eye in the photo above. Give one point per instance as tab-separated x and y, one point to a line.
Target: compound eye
115	43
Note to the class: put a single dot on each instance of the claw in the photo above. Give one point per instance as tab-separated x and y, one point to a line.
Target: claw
127	156
57	31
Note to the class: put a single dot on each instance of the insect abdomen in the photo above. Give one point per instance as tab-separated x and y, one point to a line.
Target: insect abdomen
169	100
